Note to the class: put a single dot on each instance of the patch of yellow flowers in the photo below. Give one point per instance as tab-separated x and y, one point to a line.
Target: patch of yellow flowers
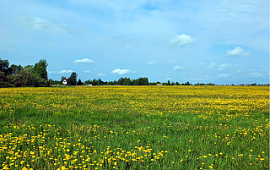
135	99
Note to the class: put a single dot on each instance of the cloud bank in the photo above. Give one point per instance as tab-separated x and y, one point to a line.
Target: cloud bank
238	51
122	71
182	40
85	60
66	71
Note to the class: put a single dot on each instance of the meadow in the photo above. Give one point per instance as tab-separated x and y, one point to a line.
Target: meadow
134	127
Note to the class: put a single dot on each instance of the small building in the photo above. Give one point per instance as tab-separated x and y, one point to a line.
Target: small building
159	84
65	82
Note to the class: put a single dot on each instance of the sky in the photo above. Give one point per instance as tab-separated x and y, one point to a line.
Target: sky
205	41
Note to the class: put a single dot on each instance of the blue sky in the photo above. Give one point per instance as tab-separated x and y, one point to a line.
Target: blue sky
220	41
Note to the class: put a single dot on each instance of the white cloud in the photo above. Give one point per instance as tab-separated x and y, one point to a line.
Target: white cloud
238	51
122	71
151	63
255	74
100	74
37	23
51	72
87	71
66	71
177	68
213	64
223	66
222	75
182	40
85	60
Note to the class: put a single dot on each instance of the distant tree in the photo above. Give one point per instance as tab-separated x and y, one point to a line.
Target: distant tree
72	80
100	82
26	75
121	81
169	83
14	69
51	81
40	73
187	83
87	82
2	79
23	76
127	81
152	83
95	82
41	69
4	64
80	82
177	83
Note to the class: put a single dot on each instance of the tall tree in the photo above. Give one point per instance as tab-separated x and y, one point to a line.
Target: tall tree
4	65
72	80
41	69
40	73
80	82
26	74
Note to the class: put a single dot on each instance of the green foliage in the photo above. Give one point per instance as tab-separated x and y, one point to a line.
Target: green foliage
121	81
80	82
17	76
40	73
14	69
72	80
4	65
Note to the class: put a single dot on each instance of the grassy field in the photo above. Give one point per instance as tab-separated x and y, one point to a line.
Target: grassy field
177	127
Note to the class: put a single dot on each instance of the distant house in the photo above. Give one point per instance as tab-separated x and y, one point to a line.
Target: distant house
159	84
65	82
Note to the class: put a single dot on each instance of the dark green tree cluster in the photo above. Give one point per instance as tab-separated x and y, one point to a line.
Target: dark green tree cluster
18	76
72	80
121	81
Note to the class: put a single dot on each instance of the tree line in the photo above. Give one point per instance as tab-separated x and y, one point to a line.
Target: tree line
121	81
18	76
37	76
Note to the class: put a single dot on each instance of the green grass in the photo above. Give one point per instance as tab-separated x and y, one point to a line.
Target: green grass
133	140
186	140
